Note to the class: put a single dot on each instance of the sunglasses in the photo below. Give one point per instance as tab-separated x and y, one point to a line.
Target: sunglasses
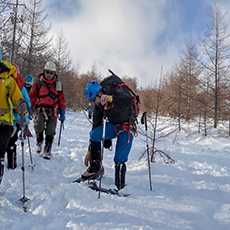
49	72
27	85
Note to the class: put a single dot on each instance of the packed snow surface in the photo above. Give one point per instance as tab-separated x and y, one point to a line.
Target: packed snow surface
193	193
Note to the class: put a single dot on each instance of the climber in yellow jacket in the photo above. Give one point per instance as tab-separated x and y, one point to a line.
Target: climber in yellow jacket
10	95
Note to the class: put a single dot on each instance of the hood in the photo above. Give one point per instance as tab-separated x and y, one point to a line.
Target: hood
12	70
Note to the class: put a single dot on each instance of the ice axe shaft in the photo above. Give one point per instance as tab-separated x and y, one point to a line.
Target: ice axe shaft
103	140
59	138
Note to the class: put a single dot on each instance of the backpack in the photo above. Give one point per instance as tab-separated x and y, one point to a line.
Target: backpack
5	101
6	105
58	86
4	96
110	83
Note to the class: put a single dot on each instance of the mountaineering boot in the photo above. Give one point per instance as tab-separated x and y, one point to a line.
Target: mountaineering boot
47	149
117	175
39	142
123	172
12	157
1	169
95	169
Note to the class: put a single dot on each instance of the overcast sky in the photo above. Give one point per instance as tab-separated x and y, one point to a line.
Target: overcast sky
131	37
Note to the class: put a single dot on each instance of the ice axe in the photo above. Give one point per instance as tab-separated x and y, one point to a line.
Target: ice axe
61	127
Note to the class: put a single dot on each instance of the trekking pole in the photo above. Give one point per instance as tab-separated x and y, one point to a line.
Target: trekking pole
102	149
24	198
144	121
31	161
59	138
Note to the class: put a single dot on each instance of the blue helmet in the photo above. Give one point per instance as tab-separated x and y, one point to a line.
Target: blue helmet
92	89
29	80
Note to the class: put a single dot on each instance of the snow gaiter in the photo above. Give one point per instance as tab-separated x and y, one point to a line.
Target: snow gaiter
1	169
120	170
95	156
123	172
48	144
39	138
117	175
12	157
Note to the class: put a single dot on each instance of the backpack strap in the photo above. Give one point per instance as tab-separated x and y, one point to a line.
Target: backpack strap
51	94
135	97
8	81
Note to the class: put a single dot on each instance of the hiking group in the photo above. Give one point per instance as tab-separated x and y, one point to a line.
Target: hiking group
114	105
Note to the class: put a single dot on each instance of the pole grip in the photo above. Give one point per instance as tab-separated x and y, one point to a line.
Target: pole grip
144	120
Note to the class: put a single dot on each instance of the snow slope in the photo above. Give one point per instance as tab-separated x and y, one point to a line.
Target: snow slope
193	193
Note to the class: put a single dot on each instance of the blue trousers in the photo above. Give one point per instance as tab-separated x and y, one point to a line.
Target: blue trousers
112	131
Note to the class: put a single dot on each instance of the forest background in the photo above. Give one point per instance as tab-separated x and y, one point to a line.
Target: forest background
195	89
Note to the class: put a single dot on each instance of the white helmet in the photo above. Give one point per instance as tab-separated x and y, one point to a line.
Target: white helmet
50	66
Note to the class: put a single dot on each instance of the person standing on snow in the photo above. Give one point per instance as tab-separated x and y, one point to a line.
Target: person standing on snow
118	113
12	147
29	81
47	96
9	95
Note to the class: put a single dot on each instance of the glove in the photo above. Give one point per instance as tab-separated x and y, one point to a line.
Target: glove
107	144
87	159
22	106
62	115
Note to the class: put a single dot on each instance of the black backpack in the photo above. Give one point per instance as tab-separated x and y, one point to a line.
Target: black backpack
113	81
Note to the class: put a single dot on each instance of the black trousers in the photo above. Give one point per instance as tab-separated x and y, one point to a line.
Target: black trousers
14	138
5	133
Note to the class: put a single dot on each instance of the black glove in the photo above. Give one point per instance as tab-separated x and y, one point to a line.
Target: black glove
22	106
107	144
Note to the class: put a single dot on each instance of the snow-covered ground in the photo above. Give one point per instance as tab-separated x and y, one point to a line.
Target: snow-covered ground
193	193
